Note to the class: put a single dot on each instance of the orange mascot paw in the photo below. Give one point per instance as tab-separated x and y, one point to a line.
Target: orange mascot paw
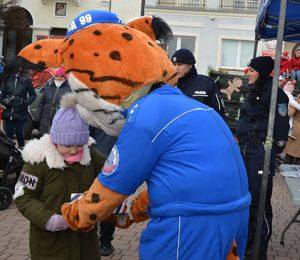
96	204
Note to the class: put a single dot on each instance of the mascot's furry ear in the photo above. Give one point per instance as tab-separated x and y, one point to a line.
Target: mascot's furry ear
155	27
43	53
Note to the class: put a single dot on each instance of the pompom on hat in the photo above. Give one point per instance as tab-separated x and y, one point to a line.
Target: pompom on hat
264	65
184	56
285	54
60	72
68	128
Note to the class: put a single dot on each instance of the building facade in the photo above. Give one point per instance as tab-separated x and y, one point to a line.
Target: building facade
51	18
220	33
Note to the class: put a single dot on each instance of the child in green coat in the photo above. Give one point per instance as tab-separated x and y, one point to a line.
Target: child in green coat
57	168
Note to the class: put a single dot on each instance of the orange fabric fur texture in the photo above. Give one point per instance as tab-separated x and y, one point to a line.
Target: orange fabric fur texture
43	53
111	59
118	60
142	24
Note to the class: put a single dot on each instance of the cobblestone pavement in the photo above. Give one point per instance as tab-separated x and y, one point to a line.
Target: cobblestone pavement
14	230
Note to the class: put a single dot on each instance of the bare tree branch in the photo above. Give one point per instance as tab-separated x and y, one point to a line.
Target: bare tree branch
11	15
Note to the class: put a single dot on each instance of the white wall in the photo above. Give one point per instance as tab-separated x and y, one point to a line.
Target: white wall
207	27
127	9
44	18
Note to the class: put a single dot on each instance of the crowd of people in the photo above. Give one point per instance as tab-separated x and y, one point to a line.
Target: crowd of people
65	143
290	65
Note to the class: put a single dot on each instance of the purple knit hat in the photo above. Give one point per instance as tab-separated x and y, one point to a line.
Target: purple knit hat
68	128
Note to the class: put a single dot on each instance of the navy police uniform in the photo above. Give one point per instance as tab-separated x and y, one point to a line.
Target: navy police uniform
201	88
195	86
252	131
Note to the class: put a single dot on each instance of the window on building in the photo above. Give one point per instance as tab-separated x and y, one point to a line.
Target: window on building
182	2
244	4
58	31
236	53
178	42
250	4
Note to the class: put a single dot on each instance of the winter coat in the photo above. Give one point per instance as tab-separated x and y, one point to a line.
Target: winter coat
49	104
284	65
16	96
295	63
201	88
48	182
254	118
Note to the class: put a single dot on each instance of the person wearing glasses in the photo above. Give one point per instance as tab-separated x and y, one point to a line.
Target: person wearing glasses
50	100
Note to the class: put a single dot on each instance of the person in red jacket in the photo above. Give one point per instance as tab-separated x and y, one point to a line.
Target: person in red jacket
295	65
284	64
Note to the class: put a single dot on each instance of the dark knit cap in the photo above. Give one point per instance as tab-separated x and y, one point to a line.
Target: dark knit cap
264	65
184	56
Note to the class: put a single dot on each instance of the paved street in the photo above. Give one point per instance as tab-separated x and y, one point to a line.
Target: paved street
14	232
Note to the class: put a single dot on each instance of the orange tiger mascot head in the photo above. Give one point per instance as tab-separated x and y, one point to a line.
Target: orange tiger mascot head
109	64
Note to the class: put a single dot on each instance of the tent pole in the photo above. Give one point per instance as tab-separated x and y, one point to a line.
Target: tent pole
255	46
143	8
269	140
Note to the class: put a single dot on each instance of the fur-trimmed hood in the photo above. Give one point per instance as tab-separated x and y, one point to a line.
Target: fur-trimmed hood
38	150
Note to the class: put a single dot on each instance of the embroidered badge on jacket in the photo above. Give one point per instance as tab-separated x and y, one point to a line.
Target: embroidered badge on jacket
28	180
281	143
112	162
282	109
200	93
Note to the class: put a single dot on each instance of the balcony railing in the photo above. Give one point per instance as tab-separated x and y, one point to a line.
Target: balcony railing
240	4
188	3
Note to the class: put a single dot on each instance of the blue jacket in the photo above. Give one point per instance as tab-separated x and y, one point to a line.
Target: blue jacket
196	178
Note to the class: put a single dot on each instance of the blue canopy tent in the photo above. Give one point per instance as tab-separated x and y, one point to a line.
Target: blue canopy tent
268	18
280	20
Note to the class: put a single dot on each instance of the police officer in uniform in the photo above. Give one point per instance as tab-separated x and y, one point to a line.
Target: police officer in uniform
252	131
194	85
